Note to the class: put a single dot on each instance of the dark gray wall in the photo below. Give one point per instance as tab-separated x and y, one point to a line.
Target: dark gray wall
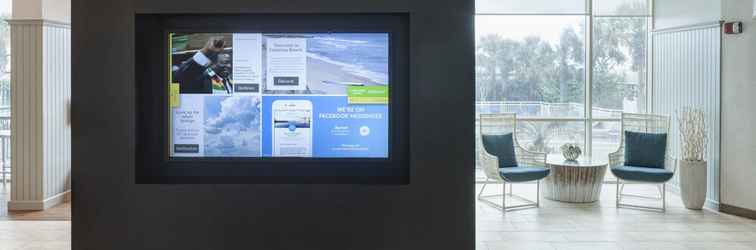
435	211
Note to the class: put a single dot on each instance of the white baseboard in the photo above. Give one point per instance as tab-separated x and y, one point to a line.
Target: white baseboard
711	205
26	205
39	205
57	199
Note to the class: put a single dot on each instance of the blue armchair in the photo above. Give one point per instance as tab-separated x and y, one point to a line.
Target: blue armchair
643	157
504	161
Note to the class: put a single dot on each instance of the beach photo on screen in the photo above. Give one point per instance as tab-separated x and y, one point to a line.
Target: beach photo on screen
324	63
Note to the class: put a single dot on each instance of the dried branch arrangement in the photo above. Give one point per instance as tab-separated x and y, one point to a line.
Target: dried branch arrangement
692	133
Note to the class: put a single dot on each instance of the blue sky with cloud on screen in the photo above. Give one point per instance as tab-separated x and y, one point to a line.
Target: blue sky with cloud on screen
232	126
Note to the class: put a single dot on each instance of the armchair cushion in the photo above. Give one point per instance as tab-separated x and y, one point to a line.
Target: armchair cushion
501	146
643	174
523	173
645	149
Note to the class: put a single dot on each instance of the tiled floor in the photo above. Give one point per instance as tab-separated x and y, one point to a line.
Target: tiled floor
47	230
4	197
28	235
600	225
555	225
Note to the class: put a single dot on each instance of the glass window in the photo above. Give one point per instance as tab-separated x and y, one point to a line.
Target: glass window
531	65
5	84
548	136
605	139
619	83
530	7
5	13
530	60
621	8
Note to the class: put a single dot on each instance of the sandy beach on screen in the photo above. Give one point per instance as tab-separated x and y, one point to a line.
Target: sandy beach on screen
318	71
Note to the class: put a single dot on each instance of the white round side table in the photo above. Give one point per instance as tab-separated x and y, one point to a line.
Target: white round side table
574	181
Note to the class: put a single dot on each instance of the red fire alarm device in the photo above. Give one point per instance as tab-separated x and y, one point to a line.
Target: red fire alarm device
733	27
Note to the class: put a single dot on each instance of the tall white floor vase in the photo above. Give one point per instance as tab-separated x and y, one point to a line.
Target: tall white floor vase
693	183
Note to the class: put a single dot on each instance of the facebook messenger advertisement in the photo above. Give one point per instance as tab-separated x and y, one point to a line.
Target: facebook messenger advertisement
307	95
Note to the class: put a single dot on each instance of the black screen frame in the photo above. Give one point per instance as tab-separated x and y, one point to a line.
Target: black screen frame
154	163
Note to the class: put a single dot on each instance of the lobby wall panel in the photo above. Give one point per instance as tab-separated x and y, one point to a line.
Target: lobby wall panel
26	125
56	97
686	72
434	211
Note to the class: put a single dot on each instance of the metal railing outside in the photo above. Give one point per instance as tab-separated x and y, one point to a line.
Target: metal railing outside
5	129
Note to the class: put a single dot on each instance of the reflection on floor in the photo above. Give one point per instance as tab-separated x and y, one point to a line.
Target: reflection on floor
600	225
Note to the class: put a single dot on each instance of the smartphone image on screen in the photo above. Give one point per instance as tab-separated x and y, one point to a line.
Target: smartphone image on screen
292	128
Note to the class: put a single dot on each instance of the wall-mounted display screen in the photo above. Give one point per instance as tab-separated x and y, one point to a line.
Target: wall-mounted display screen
309	95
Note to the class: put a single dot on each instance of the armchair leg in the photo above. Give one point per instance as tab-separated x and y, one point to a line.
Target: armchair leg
662	197
538	193
527	203
504	196
618	194
480	194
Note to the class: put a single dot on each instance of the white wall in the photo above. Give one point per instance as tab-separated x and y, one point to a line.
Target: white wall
41	90
26	142
56	96
738	88
738	116
673	13
57	10
27	9
53	10
686	73
41	141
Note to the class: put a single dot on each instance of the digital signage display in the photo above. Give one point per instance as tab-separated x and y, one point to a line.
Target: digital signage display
268	95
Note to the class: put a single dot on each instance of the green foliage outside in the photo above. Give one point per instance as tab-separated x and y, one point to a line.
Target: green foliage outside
4	41
4	62
533	69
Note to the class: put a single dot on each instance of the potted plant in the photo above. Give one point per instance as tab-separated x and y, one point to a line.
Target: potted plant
692	165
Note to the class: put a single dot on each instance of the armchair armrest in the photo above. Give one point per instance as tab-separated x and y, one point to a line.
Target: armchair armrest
489	164
529	158
617	158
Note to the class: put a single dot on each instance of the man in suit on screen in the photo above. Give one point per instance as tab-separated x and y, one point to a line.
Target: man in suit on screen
195	75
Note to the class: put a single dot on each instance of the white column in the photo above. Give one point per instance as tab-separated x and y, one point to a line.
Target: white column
41	93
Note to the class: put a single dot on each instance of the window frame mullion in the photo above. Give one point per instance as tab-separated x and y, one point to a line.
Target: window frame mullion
588	79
